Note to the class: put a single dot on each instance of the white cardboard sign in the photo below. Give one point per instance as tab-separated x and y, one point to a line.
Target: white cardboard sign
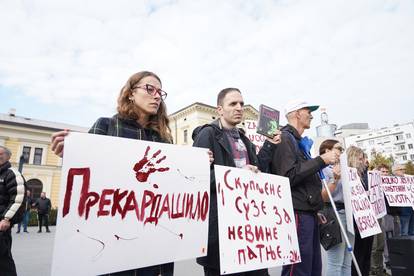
398	190
254	137
126	204
364	215
346	190
256	220
376	196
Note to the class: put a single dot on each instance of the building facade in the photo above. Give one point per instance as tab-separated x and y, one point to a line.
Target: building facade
396	141
29	139
185	120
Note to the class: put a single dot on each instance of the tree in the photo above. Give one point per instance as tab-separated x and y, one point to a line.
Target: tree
409	168
379	159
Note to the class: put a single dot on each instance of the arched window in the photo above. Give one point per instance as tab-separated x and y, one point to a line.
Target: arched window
36	187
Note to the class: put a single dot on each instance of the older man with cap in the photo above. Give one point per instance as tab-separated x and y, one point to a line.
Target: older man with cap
292	159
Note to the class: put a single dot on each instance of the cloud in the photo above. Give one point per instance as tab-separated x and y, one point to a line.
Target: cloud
353	57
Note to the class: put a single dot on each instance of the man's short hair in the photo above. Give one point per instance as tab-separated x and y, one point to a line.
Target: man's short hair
223	94
382	166
8	152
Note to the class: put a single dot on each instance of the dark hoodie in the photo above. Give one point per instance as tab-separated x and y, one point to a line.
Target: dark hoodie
211	136
290	161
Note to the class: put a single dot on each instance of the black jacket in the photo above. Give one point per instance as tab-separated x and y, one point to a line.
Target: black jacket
288	160
12	191
43	206
211	136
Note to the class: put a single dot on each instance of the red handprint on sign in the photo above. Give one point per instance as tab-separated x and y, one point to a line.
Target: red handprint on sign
146	166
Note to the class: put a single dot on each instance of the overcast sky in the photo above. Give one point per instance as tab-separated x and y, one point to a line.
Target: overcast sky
66	61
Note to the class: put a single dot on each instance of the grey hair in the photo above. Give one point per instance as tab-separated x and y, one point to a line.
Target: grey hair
8	152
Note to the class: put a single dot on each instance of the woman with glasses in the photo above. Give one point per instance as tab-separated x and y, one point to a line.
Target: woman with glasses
141	115
338	258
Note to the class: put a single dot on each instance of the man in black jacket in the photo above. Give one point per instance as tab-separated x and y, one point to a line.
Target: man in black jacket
43	208
230	147
292	159
11	198
26	215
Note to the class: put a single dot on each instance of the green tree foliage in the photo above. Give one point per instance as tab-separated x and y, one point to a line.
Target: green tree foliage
409	168
378	159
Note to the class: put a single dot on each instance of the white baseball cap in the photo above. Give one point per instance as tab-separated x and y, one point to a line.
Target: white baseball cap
299	104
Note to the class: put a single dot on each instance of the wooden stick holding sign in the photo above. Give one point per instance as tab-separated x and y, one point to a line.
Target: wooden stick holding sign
256	220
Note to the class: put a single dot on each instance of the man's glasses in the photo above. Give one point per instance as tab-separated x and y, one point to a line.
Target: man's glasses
152	90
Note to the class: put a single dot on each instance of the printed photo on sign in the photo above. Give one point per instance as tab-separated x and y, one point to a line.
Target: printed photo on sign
126	204
256	220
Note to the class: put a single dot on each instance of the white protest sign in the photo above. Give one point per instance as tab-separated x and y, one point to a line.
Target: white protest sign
376	196
364	215
256	220
257	139
126	204
346	191
410	180
397	190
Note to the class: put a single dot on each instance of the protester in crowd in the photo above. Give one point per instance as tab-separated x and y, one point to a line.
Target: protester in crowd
11	198
231	148
379	254
362	247
406	213
142	115
43	206
339	258
26	215
292	159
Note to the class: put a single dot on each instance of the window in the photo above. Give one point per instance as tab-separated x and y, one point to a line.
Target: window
408	135
412	157
185	135
399	137
404	157
371	142
37	160
36	187
410	146
401	147
26	154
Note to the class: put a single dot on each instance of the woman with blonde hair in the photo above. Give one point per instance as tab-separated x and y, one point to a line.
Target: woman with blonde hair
141	115
362	247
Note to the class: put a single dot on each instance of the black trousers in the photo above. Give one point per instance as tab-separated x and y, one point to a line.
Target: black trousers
45	218
362	251
7	266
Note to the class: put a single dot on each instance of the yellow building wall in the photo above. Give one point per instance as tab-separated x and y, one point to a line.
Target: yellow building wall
13	146
51	158
54	194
